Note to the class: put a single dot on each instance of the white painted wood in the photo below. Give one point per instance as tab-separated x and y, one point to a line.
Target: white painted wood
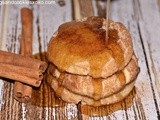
1	82
4	26
3	31
128	15
10	42
47	19
141	17
129	18
149	27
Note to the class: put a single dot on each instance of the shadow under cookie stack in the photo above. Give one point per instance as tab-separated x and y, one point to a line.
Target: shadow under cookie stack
83	68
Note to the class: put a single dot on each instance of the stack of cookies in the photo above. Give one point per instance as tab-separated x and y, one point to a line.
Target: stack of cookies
83	67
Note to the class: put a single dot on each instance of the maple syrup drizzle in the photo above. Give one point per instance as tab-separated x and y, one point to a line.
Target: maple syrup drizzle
45	96
61	78
86	39
120	75
108	109
97	85
117	52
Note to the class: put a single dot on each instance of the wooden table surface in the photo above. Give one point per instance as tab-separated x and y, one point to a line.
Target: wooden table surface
141	17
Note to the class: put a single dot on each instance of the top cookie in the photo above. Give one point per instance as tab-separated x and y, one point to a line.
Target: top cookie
79	47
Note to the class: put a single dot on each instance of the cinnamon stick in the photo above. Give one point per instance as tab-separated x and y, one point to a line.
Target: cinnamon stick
22	72
27	93
23	92
26	19
18	91
32	73
26	39
8	72
22	67
19	60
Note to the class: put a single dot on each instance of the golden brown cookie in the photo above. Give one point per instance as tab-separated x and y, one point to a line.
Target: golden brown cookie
79	47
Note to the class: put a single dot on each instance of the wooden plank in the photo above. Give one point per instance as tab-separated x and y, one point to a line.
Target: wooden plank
82	9
159	4
119	13
132	18
10	42
1	82
0	21
100	8
112	111
46	23
137	15
149	27
141	107
87	7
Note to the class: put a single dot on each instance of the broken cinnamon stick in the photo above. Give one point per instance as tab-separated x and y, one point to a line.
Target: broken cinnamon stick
27	93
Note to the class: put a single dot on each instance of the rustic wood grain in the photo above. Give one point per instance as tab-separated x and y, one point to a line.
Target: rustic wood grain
0	20
45	24
150	36
131	19
82	8
141	17
1	82
142	33
86	8
101	8
11	109
159	4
